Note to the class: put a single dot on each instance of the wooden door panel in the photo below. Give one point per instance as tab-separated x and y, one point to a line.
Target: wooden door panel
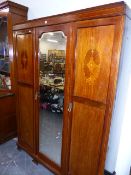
25	58
96	64
26	115
87	126
93	60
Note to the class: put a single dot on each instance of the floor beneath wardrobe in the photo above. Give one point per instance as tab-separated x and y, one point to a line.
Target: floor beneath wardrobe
14	162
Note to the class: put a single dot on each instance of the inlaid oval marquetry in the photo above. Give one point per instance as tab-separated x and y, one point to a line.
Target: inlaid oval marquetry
92	66
24	59
93	60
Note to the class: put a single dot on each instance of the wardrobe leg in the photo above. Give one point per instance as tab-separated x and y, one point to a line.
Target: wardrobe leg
19	148
35	161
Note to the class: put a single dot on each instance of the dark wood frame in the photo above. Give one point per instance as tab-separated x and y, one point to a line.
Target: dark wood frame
115	14
16	13
10	41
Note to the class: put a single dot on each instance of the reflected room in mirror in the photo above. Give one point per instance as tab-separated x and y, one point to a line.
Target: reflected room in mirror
5	82
52	53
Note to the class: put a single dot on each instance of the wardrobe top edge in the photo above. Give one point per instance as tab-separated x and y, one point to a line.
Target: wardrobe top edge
8	3
103	11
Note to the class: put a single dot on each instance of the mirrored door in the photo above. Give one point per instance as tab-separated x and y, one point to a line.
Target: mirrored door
52	54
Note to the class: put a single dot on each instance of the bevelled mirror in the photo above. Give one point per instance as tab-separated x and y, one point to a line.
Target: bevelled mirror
52	53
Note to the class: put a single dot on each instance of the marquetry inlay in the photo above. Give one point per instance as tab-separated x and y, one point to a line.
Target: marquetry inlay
24	60
92	66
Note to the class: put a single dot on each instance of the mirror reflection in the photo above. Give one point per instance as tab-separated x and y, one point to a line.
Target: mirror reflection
5	82
52	47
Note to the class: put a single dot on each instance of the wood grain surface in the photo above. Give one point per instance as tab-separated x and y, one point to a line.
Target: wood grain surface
24	57
93	60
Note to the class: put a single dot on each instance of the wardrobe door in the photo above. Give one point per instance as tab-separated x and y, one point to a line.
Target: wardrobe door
52	86
24	55
97	52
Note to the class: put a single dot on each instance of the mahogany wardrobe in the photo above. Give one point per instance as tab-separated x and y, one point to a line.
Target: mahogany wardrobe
10	14
67	71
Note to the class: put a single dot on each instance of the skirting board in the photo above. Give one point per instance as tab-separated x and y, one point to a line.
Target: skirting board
108	173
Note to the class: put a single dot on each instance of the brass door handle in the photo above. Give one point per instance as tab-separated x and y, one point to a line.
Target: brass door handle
37	95
70	107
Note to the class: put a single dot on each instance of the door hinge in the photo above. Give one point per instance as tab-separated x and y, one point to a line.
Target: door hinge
70	105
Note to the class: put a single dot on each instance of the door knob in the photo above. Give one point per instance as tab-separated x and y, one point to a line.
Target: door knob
70	107
37	95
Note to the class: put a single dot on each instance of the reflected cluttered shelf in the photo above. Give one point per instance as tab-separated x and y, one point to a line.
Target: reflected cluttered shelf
5	81
52	75
52	54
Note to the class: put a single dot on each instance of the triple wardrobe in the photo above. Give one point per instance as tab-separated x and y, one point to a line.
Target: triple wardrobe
67	69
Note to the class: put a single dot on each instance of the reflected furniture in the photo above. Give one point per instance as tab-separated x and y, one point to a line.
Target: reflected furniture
10	13
94	40
51	84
